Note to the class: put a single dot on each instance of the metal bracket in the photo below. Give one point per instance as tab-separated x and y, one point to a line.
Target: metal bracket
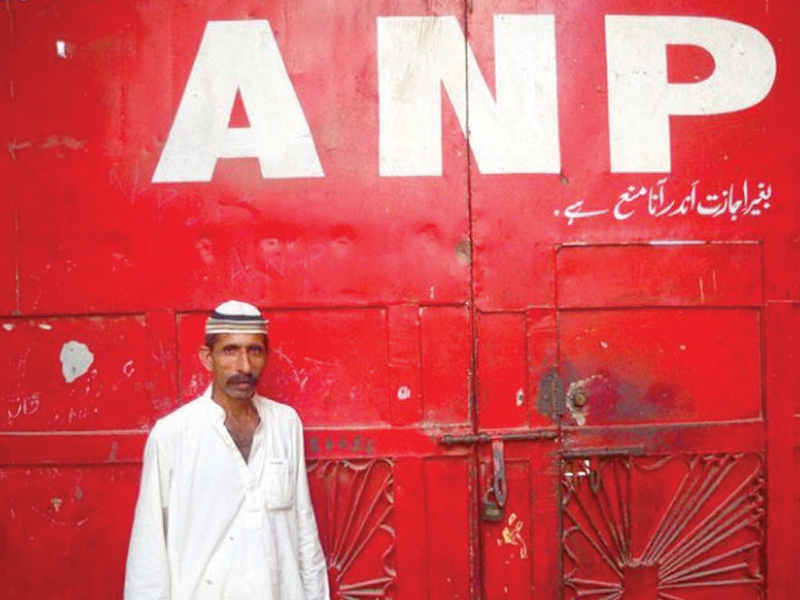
485	438
499	485
603	451
494	509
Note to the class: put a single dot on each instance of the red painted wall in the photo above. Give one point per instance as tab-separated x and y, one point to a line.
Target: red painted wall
640	320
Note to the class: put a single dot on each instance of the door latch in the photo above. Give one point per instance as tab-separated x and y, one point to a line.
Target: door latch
494	508
494	498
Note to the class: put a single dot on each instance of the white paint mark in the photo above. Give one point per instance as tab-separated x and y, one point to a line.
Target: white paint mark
520	397
8	326
128	369
682	347
512	535
604	345
676	242
76	358
61	48
403	392
63	141
45	326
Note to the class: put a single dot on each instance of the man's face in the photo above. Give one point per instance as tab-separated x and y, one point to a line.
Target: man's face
235	363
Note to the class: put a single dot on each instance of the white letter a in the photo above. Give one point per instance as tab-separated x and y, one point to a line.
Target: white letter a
238	56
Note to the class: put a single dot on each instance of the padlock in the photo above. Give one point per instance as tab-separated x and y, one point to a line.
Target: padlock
492	512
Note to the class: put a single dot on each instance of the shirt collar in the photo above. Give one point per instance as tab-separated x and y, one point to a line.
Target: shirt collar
217	413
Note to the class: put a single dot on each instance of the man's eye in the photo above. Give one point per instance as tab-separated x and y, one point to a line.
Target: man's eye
256	350
229	351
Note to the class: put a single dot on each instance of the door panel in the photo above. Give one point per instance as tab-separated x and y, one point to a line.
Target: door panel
519	551
664	472
660	365
678	526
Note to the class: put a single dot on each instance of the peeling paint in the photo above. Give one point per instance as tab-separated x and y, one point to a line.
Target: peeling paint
76	358
403	392
45	326
8	326
61	48
520	399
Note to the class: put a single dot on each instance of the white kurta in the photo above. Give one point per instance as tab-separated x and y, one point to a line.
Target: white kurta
210	526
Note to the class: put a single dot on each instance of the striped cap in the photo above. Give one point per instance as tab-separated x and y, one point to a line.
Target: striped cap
234	316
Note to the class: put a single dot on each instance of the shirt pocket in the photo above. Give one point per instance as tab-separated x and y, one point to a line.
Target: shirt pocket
278	484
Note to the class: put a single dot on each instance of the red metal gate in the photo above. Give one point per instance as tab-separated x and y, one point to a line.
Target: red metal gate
555	361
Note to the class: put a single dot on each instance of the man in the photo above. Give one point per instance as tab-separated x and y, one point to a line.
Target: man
224	509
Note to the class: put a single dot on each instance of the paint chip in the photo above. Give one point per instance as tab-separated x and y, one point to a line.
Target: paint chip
403	392
61	48
8	326
45	326
604	345
520	397
76	358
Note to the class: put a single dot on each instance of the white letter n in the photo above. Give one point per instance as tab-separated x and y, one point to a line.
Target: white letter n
516	133
238	56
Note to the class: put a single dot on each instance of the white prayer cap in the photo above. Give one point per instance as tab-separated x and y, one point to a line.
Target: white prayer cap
234	316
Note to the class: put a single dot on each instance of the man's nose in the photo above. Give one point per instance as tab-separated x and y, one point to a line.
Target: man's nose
243	364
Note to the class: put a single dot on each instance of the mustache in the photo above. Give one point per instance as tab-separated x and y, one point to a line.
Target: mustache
241	378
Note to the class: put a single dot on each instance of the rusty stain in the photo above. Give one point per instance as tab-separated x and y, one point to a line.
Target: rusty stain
577	399
464	251
550	395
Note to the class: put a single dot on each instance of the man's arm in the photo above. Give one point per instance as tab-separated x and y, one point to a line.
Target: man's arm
147	571
313	570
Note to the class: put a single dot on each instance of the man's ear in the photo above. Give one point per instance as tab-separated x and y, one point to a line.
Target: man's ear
204	353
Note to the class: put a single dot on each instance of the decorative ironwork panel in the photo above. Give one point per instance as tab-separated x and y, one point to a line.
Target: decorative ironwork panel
354	503
666	528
